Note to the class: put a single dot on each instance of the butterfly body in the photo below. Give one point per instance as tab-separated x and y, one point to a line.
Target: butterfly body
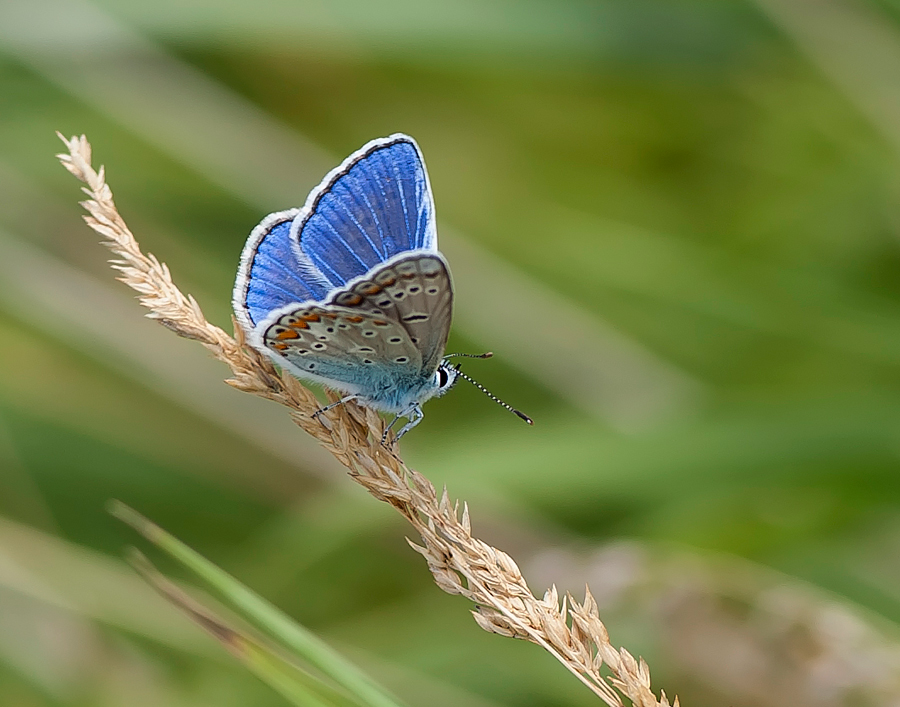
350	291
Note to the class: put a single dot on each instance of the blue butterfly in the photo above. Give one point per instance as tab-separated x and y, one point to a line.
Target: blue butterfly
350	291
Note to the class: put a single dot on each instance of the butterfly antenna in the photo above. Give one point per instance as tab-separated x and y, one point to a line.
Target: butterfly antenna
489	393
484	355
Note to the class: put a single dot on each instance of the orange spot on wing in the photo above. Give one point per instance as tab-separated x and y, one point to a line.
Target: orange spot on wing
280	347
355	320
300	325
310	317
352	300
408	275
287	334
379	322
371	290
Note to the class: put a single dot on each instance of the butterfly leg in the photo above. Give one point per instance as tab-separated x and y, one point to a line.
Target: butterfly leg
413	415
345	399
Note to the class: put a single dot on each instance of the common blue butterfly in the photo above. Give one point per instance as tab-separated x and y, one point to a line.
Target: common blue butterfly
350	291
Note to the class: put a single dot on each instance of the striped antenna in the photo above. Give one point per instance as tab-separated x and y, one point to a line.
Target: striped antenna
489	393
484	355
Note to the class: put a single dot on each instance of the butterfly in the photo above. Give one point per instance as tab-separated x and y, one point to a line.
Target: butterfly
351	291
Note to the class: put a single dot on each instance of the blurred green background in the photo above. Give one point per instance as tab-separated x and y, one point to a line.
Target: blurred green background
677	226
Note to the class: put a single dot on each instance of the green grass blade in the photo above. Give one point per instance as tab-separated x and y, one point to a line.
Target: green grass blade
296	685
275	622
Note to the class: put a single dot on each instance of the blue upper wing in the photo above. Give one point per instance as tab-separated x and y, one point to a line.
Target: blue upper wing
377	204
272	274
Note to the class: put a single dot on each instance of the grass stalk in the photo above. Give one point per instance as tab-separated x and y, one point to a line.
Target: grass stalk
459	562
298	686
269	618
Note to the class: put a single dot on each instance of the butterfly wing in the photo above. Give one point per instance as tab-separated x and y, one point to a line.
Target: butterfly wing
375	205
272	274
414	291
350	291
350	350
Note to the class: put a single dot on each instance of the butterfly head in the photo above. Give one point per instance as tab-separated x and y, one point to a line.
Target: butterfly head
445	377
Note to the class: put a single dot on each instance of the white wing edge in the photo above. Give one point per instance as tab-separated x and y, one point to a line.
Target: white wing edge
344	167
242	281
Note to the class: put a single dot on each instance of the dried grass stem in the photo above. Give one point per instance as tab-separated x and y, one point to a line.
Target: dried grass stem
461	564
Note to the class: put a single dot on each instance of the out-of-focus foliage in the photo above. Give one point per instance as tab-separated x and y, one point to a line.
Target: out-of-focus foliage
708	189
